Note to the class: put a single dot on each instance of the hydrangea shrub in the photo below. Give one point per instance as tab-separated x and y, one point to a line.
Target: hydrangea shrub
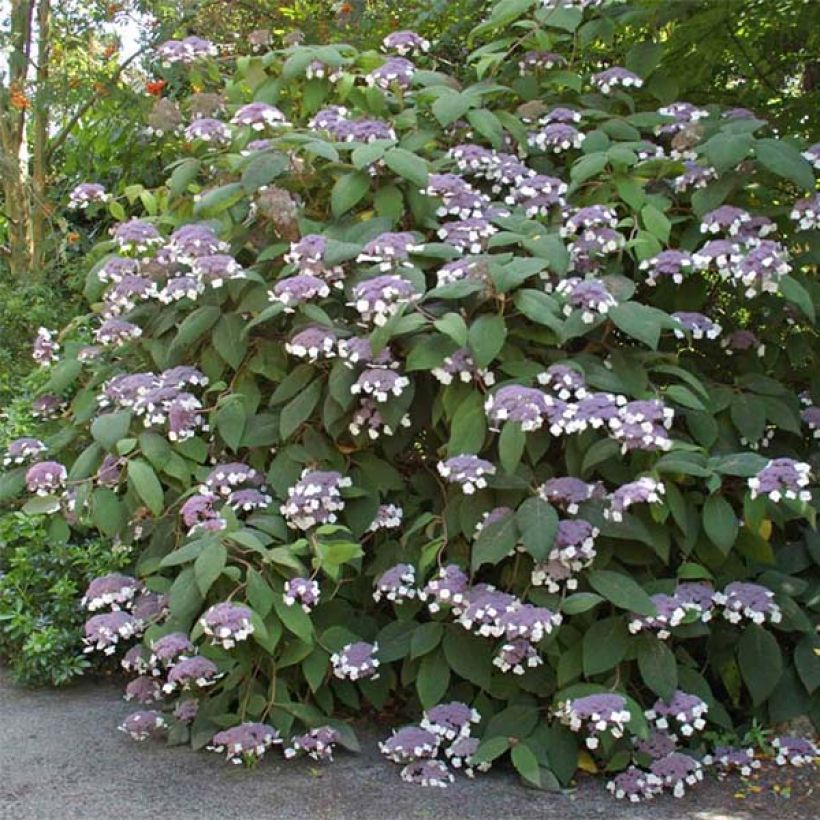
405	389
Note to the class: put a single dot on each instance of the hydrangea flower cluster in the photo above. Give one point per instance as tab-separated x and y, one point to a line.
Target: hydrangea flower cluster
85	194
467	471
741	600
356	661
782	478
795	751
645	490
315	499
595	715
682	711
316	743
45	348
24	450
227	624
304	591
245	744
396	584
613	77
729	759
144	725
676	771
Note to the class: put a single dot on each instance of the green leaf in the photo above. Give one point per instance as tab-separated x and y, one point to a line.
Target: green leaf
537	523
760	661
107	513
260	595
230	420
641	322
656	222
538	307
146	484
511	445
605	645
486	338
526	764
622	591
580	602
643	58
807	662
588	166
798	295
726	150
786	161
229	340
426	638
495	542
450	106
109	428
262	169
194	326
433	679
218	200
491	748
209	565
294	618
468	656
468	429
454	326
348	191
298	410
407	165
720	522
657	666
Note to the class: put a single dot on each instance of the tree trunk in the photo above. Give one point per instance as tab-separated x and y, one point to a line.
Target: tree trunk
40	206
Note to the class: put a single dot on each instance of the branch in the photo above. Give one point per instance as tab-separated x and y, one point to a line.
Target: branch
751	62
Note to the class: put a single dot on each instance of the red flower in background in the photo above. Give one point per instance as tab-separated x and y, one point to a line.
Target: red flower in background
155	87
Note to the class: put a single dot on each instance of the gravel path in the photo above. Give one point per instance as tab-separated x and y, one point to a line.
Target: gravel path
61	757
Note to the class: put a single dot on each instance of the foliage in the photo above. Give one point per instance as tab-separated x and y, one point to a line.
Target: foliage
42	576
280	412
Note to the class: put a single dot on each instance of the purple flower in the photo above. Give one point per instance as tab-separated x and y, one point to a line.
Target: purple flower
467	234
207	129
795	751
388	249
189	242
565	381
396	584
742	340
670	263
405	42
381	297
644	490
46	477
144	725
676	771
810	416
719	254
117	267
682	711
410	743
448	588
517	656
395	70
432	773
197	509
528	622
124	295
697	597
23	450
556	137
191	672
114	590
761	269
589	296
595	714
144	689
458	197
135	660
669	614
136	236
316	743
45	349
782	478
104	632
150	607
320	70
643	425
812	154
492	517
216	269
225	478
523	405
694	176
165	651
741	599
613	77
313	343
329	118
450	721
380	383
358	350
315	499
483	610
635	785
246	743
259	115
466	470
85	194
227	623
116	332
388	517
806	213
568	492
356	661
294	290
456	271
658	744
726	219
367	417
186	52
303	591
537	194
181	287
186	710
470	157
732	759
47	406
249	499
460	364
538	60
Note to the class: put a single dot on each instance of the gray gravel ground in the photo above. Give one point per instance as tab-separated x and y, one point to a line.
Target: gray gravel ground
61	757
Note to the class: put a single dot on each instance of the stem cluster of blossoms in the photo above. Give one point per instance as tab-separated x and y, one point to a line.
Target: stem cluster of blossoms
445	728
352	308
